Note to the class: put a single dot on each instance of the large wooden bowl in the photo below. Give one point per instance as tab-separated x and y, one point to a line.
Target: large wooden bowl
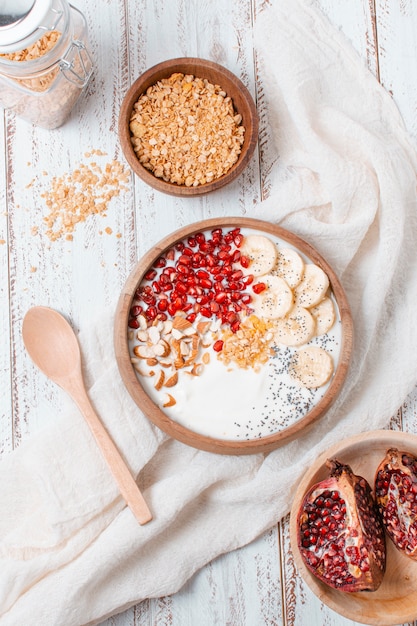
162	420
395	602
214	73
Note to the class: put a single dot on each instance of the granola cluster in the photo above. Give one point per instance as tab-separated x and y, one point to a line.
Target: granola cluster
185	130
41	82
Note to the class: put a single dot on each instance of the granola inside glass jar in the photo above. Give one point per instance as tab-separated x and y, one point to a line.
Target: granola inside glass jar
44	62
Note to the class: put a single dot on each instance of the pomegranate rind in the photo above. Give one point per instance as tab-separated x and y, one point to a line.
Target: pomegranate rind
396	497
340	534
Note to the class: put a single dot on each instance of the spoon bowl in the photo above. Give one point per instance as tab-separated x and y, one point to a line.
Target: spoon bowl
53	347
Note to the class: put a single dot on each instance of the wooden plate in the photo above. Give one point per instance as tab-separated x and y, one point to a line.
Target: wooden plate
210	442
395	602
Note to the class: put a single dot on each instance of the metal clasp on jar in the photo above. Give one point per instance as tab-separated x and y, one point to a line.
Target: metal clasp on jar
76	64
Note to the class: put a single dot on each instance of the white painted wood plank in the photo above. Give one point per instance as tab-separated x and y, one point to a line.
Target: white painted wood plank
397	45
6	422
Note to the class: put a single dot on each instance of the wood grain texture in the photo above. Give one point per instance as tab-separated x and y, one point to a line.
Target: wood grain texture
257	585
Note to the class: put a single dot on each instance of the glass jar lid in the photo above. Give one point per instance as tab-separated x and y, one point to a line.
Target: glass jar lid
22	22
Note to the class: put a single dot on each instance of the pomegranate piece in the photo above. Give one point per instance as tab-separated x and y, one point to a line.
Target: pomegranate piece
396	496
340	532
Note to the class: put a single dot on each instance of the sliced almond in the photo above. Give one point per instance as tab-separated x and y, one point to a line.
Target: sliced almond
169	401
197	369
144	351
206	357
159	380
142	335
184	348
172	380
203	327
143	324
154	335
180	323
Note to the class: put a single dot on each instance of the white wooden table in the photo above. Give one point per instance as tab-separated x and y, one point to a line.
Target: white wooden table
258	584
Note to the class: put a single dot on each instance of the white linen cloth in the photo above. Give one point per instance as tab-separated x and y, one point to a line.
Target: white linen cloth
345	179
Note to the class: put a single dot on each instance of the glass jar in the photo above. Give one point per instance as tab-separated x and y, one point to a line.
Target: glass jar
44	62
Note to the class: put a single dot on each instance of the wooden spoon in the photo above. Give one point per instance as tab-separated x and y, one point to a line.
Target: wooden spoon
53	347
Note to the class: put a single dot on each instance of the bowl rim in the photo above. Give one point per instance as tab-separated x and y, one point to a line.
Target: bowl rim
163	421
147	79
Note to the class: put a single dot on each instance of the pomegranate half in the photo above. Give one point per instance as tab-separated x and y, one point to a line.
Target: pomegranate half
396	496
340	533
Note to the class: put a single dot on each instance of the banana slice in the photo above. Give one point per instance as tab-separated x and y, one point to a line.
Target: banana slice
275	301
311	367
313	286
290	266
324	315
296	328
262	253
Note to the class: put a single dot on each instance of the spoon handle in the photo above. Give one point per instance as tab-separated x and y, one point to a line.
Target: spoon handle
127	484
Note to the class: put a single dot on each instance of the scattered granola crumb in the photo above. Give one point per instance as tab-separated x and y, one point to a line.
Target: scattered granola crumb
33	269
108	230
34	230
86	191
2	242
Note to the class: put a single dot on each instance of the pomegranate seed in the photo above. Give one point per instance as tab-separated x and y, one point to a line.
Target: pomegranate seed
205	311
161	262
234	327
184	258
218	345
167	287
183	269
224	255
133	323
214	307
191	317
244	261
211	260
187	252
236	275
236	256
220	297
238	240
162	304
246	298
162	317
156	286
170	254
206	283
171	309
150	274
181	288
179	246
151	313
259	287
197	260
248	280
187	307
136	310
192	242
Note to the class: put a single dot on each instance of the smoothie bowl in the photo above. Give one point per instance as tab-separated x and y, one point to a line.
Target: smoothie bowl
233	335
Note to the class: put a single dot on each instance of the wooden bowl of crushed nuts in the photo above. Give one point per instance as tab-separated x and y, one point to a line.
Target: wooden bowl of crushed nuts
233	335
188	126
